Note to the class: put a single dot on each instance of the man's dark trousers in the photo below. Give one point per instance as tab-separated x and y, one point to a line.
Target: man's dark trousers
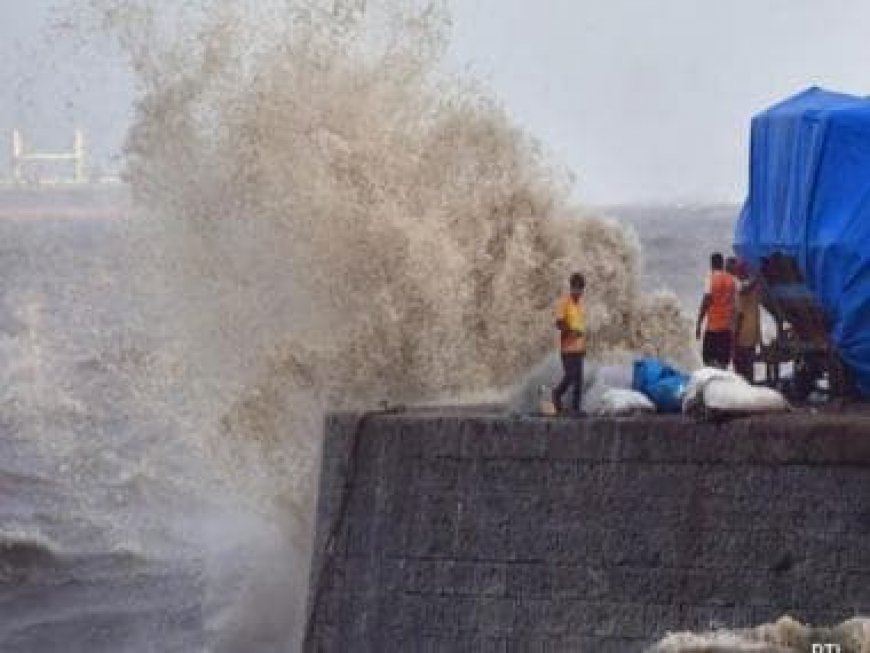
572	363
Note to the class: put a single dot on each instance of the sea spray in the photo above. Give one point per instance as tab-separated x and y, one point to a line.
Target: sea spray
786	635
339	222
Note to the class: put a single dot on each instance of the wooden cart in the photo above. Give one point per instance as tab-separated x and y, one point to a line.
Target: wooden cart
802	335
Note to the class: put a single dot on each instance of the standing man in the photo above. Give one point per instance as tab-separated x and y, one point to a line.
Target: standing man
717	308
731	266
747	326
571	322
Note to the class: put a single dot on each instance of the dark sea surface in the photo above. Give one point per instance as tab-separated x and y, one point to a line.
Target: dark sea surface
79	512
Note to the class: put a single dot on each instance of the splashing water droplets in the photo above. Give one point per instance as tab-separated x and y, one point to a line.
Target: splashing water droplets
340	222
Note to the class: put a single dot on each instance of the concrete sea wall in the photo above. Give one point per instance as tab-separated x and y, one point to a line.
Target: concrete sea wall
474	531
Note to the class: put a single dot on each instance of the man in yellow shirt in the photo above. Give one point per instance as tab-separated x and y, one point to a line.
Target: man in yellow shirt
571	322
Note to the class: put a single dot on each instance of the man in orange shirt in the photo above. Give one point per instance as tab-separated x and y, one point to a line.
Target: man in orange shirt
571	322
717	308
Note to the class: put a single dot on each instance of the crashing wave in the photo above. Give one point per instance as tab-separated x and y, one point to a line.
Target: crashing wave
340	222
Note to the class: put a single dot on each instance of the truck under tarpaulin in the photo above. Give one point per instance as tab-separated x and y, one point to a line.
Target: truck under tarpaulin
809	202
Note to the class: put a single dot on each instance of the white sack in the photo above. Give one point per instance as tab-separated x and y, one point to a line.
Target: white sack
700	379
616	402
733	397
718	392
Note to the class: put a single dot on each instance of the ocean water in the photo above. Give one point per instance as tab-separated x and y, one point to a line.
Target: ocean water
677	242
115	533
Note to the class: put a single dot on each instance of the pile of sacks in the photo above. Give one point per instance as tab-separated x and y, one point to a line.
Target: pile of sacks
709	393
648	386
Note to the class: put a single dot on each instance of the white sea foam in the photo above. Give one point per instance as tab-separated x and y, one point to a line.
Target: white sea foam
783	636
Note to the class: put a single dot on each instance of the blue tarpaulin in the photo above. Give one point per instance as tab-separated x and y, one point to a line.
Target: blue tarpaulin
809	198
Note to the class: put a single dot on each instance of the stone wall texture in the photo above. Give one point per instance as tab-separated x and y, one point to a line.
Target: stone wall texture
463	531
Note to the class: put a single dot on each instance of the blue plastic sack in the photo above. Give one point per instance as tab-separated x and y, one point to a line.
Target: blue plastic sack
668	394
664	385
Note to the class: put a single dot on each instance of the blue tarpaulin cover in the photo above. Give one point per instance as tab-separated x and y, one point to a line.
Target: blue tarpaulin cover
809	197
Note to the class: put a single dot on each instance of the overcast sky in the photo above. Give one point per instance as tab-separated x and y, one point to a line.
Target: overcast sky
645	100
